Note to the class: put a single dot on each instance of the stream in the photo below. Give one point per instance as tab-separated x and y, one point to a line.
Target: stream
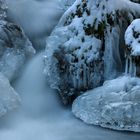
41	115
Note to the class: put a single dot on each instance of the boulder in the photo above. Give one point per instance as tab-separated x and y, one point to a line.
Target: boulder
87	46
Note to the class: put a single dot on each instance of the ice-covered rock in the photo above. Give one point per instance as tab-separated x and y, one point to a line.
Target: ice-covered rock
132	53
132	38
14	49
9	99
87	46
115	105
3	9
14	45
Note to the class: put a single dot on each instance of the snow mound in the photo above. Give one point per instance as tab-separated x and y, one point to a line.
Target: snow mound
132	37
9	99
115	105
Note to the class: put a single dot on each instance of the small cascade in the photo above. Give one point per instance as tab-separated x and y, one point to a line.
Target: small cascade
112	58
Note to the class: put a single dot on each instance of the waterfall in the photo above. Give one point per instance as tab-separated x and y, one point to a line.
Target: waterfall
112	58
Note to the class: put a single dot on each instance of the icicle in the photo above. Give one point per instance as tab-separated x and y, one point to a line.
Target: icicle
135	69
126	66
75	80
130	66
88	77
85	75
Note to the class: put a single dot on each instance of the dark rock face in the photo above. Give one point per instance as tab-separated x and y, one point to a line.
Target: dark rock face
14	45
87	46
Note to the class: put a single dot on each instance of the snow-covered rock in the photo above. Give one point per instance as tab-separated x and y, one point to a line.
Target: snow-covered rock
115	105
87	46
132	38
14	45
9	99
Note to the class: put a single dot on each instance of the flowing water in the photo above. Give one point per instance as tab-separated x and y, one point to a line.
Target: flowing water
41	116
36	17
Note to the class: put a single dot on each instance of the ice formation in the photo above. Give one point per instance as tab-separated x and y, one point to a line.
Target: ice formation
14	45
87	46
115	105
9	99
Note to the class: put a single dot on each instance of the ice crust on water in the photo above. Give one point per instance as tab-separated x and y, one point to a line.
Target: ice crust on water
115	105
